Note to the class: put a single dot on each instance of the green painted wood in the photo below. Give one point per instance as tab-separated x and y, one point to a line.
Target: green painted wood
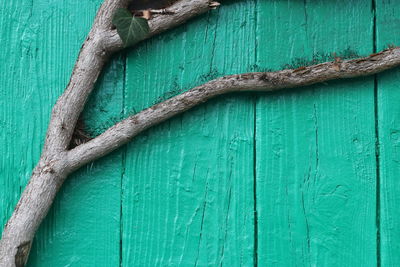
315	147
83	226
188	183
15	91
388	96
183	193
41	40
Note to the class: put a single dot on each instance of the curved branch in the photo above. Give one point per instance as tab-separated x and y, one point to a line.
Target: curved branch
56	162
52	168
101	42
125	130
176	14
92	57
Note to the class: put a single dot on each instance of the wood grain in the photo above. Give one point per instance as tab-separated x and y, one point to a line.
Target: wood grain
388	119
188	184
82	228
53	168
187	191
43	40
315	149
19	142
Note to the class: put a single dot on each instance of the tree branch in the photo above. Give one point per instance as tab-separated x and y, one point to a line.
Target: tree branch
177	14
52	168
100	44
125	130
57	162
92	57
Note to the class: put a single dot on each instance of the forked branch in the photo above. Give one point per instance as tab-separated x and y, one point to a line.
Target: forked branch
57	162
53	168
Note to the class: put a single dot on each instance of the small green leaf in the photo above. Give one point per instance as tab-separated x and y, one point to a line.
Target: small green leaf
131	29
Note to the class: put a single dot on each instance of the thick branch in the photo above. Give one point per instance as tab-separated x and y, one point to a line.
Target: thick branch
32	207
56	162
100	44
52	168
125	130
177	14
90	62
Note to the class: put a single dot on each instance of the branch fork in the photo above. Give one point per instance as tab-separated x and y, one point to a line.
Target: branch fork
58	160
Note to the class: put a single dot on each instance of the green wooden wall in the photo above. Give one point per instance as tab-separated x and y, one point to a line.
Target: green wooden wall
302	177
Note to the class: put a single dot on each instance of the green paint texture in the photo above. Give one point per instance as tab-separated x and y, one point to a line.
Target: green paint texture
388	120
302	177
315	148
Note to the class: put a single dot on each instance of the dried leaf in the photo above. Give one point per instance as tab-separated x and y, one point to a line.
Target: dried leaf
147	14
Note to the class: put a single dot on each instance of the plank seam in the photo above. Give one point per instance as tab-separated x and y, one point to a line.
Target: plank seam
123	165
255	185
377	146
255	248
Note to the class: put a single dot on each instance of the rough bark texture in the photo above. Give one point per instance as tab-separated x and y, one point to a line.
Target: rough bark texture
57	161
53	166
122	132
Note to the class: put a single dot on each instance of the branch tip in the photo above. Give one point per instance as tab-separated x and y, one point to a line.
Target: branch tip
214	5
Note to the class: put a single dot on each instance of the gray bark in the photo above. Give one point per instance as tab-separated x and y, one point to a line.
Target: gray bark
125	130
57	162
54	167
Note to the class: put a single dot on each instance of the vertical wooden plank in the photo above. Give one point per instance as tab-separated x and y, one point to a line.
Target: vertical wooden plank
83	227
14	92
41	40
388	96
188	183
315	146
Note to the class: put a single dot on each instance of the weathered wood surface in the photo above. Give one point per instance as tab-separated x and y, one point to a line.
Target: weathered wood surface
187	177
316	148
42	40
184	193
388	119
